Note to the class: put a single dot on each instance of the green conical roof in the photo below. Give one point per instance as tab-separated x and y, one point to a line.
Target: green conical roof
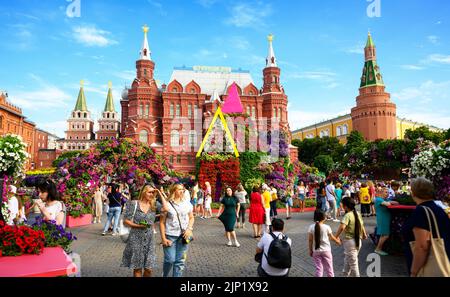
109	106
81	101
370	41
371	75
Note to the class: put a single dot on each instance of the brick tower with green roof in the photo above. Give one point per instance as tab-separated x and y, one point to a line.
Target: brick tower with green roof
374	115
80	132
109	123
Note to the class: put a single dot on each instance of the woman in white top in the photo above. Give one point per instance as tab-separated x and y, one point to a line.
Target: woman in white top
241	195
320	234
176	225
99	197
51	208
13	206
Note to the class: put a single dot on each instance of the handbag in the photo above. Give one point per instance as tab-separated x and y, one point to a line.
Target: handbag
437	264
183	240
124	231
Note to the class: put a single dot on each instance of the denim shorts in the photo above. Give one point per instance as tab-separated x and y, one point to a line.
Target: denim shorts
289	202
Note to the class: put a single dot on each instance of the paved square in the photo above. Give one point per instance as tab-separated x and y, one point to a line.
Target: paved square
209	256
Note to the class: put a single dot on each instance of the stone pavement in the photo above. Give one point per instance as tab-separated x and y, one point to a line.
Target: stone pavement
208	255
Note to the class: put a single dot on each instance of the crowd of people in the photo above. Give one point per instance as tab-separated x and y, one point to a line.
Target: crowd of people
174	210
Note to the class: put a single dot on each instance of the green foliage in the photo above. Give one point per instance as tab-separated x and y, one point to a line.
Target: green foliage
252	182
310	148
66	155
248	162
13	155
324	163
447	134
426	134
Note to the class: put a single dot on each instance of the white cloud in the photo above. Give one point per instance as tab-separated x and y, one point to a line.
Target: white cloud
426	92
245	15
299	118
158	7
89	35
239	43
314	75
437	58
412	67
332	85
45	96
357	49
437	119
207	3
127	75
56	128
433	39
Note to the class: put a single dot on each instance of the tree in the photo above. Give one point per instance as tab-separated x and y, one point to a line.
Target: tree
424	133
324	163
447	134
309	149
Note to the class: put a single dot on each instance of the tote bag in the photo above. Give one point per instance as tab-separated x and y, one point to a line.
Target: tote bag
124	230
437	264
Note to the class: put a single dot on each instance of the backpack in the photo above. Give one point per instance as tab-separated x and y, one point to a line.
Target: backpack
279	253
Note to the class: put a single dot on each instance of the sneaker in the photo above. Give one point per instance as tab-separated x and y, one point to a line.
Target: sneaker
237	244
381	253
103	233
229	243
288	218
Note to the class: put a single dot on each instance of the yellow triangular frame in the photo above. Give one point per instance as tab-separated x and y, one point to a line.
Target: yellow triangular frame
218	113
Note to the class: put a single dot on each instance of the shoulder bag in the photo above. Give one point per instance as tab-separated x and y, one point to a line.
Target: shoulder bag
437	264
124	231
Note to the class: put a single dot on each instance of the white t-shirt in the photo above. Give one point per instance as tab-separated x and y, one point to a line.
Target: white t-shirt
172	223
186	195
13	206
347	193
264	244
54	210
330	191
325	230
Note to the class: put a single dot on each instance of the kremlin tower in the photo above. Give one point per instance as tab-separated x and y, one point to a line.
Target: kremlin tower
374	115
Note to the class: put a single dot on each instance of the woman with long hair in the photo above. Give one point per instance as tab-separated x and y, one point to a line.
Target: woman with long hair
230	206
301	192
176	225
320	234
115	209
140	215
51	208
353	227
321	197
256	215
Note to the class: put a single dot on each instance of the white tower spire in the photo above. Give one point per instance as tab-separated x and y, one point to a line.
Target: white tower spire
145	53
271	61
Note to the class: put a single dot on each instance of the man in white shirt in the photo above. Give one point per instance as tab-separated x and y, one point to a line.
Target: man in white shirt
264	269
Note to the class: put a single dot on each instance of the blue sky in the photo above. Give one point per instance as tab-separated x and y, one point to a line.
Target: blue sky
44	53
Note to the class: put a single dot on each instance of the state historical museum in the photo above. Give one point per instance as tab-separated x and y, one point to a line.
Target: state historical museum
148	110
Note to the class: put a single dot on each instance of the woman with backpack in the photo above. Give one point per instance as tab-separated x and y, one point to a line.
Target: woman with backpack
320	234
353	227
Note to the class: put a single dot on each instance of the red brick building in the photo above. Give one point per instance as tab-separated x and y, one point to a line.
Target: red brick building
375	114
192	97
12	121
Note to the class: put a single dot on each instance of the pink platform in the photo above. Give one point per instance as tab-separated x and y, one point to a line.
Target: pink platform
84	220
52	262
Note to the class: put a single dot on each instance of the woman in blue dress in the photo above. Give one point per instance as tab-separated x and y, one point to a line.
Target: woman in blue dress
383	219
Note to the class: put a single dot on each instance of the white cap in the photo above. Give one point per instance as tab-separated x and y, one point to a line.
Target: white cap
13	189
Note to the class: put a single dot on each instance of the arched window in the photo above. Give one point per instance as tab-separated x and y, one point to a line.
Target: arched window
190	111
345	130
141	110
143	136
171	159
175	138
178	114
253	112
279	113
338	131
274	113
248	110
192	138
147	109
171	110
